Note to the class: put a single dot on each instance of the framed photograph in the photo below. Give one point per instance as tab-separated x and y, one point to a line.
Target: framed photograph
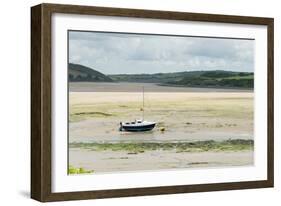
130	102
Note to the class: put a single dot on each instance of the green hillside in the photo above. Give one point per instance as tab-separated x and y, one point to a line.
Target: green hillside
80	73
216	78
154	78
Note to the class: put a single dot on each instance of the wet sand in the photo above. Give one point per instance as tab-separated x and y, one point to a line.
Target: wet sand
108	161
185	116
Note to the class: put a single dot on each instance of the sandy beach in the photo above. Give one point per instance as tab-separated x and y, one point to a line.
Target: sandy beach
186	114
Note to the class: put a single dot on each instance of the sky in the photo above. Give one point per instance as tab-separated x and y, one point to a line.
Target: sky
122	53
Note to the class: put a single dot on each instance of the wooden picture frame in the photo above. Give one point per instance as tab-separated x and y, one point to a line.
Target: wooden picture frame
41	96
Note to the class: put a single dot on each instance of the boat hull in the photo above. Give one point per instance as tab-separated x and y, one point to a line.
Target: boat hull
138	128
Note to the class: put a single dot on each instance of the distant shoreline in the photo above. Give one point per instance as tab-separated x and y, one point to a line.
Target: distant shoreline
207	87
149	87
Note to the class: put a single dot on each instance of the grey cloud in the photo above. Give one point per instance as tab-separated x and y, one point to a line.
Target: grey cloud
130	53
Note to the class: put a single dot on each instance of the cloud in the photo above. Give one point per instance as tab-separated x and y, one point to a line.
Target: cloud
131	53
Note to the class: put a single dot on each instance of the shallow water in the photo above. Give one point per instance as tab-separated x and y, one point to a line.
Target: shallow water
137	87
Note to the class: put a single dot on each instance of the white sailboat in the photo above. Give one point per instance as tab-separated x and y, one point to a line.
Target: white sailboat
138	125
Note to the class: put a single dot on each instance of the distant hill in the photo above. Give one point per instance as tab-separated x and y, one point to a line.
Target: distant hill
80	73
216	78
154	78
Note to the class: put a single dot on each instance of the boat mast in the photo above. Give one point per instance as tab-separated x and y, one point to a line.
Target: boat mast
143	103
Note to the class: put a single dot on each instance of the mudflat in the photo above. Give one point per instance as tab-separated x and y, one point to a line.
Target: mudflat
182	115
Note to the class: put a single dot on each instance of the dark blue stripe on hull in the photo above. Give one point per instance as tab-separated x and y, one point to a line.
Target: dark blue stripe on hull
139	128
